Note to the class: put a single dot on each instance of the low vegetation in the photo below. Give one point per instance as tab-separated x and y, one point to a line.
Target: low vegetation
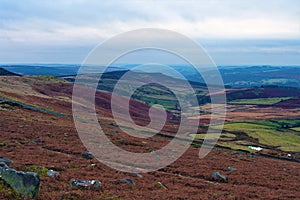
268	133
259	101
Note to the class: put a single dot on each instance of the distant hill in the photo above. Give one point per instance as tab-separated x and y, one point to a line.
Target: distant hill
4	72
233	76
250	76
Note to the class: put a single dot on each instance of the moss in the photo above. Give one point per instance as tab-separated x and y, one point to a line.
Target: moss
231	196
42	171
73	167
112	197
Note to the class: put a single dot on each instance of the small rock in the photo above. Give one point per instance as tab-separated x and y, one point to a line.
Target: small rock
126	180
123	141
86	183
39	139
251	156
255	148
88	155
231	169
6	160
114	132
53	174
160	185
219	177
149	149
25	183
136	174
284	169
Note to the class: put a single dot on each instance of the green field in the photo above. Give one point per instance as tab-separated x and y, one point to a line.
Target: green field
260	101
296	129
212	136
267	133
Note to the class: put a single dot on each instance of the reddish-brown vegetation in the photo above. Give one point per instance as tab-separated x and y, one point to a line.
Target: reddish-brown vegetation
34	138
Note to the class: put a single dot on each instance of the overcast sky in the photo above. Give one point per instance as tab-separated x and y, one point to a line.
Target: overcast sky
233	32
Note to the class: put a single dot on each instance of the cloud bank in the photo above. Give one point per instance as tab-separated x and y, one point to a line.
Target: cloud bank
79	25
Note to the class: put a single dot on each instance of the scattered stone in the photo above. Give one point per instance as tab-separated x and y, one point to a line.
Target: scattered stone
231	169
88	155
123	141
126	180
86	183
219	177
251	156
149	149
25	183
6	160
136	174
39	139
255	148
115	132
213	158
53	174
160	185
284	169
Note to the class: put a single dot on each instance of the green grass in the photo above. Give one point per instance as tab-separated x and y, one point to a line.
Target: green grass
235	146
296	128
49	79
42	171
223	136
289	122
259	101
268	134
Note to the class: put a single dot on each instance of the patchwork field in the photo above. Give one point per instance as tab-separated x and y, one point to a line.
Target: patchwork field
260	101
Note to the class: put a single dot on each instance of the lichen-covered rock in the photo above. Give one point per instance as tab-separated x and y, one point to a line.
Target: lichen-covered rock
86	183
53	174
160	185
88	155
126	180
25	183
136	174
6	160
219	177
231	169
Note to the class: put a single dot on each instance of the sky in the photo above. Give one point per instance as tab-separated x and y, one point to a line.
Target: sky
233	32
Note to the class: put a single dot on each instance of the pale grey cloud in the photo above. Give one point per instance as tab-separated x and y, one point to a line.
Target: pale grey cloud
71	23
